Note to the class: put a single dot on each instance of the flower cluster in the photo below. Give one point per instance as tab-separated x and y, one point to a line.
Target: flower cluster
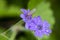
26	16
35	24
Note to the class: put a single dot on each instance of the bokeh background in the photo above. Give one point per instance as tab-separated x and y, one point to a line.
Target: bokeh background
48	9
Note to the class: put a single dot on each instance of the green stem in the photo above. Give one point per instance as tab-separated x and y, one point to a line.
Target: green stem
13	36
4	36
15	28
18	23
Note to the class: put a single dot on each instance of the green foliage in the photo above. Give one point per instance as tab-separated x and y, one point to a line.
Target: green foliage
3	37
33	3
12	9
9	11
27	35
43	9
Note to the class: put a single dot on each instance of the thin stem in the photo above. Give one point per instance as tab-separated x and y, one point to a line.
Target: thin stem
4	36
13	36
15	28
19	22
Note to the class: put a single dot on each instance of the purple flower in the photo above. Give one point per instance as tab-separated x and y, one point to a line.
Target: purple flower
26	16
39	27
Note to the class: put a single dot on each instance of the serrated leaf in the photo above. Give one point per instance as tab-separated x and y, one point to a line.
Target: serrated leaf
43	9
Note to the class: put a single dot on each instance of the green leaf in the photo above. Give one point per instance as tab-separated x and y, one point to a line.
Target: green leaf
43	9
13	11
33	3
1	29
3	37
9	11
2	7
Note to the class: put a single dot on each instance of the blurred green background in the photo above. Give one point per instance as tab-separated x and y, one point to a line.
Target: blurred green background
10	14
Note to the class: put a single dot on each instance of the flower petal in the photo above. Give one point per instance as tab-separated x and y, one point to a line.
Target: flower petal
28	10
46	24
47	32
38	33
39	20
22	16
33	26
27	26
24	11
35	20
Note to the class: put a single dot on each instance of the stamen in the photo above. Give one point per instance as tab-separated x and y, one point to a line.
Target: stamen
32	11
39	27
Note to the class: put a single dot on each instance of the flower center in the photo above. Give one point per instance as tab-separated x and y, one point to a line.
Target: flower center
28	17
39	27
